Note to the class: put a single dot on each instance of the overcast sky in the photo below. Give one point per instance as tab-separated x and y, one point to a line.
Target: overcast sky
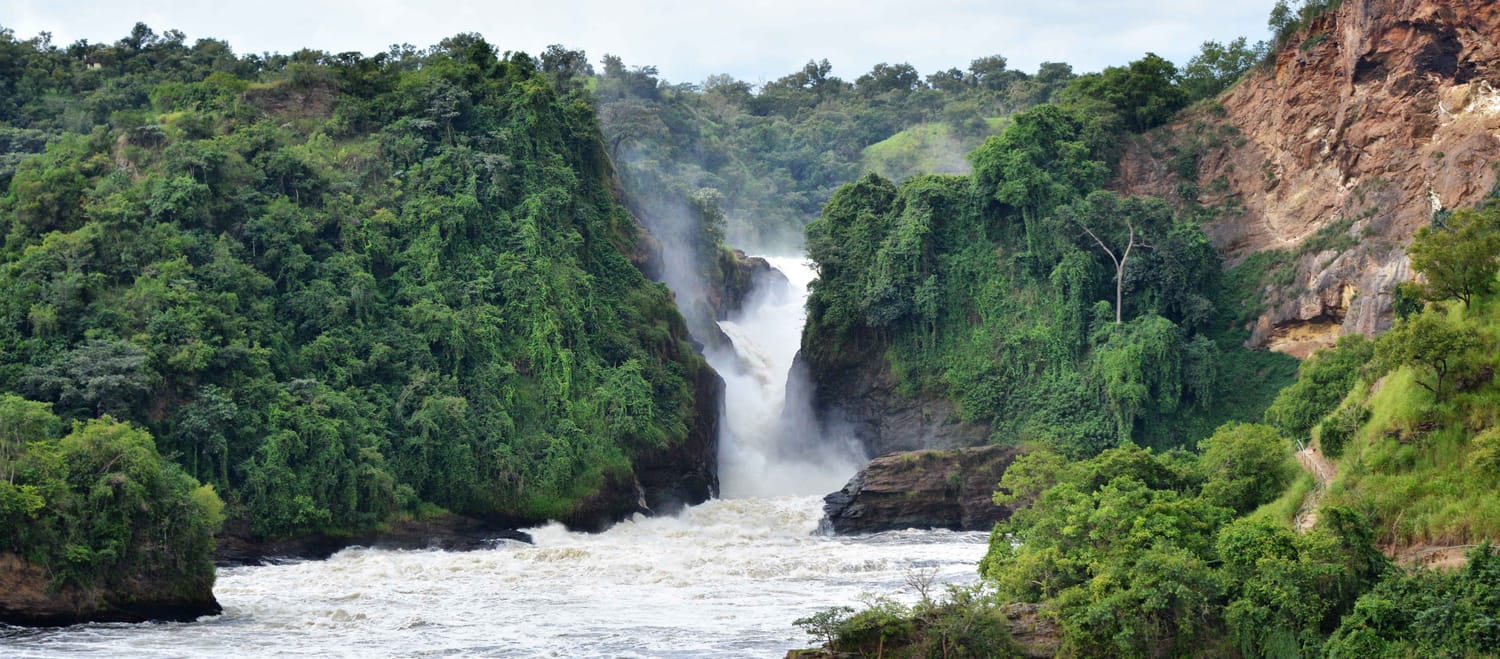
749	39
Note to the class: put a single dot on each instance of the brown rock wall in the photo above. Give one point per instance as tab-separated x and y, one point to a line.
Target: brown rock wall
1372	118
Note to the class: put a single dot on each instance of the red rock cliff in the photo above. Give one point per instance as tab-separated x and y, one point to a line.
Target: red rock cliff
1373	117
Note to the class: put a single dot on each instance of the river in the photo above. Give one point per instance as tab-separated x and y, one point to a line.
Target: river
722	579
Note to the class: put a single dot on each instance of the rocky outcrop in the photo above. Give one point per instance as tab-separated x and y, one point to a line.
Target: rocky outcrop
924	490
294	101
741	275
852	392
28	596
1373	117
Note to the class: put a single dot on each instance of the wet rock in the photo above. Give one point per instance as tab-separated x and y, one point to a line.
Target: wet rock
238	546
922	489
28	597
854	393
742	276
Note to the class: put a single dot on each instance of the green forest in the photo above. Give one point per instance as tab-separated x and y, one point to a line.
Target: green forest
334	290
1057	311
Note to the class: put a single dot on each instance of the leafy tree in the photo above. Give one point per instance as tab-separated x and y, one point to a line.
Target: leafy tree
1428	341
1217	66
1322	381
1145	92
1039	163
1460	257
888	78
568	69
1139	370
1107	220
22	421
1245	465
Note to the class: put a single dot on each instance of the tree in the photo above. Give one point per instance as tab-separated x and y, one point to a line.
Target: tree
1217	66
21	422
1140	370
1244	465
1040	162
884	78
990	72
97	378
628	121
1109	220
567	68
1144	93
1427	341
1322	381
1459	257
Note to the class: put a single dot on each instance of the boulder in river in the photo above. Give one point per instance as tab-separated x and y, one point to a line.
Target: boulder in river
949	489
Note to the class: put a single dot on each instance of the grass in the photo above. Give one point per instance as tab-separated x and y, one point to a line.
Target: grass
1284	509
929	148
1424	471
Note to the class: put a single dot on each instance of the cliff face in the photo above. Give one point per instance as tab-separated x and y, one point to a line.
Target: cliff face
1374	117
853	388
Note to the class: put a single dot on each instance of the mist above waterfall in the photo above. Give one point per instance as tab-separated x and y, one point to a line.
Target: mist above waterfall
764	451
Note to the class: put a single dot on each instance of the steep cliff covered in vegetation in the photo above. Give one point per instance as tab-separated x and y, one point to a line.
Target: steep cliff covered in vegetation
1025	303
1381	544
342	289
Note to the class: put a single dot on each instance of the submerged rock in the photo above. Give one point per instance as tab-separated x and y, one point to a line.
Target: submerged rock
447	532
922	489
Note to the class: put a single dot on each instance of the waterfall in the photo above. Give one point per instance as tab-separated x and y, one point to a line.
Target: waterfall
763	452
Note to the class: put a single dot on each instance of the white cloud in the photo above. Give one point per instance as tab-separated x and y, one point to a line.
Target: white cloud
687	41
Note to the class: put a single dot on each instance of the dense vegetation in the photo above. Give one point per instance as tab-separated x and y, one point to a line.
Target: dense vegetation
1228	550
776	153
99	506
339	289
1057	312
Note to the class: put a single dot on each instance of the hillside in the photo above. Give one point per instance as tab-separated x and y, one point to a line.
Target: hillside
343	291
1344	188
1371	119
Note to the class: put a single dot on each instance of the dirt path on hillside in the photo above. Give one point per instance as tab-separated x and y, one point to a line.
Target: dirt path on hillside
1313	462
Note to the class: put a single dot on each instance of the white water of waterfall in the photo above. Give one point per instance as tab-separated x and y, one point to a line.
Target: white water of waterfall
722	579
762	452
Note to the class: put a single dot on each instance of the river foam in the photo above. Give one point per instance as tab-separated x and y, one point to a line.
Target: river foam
722	579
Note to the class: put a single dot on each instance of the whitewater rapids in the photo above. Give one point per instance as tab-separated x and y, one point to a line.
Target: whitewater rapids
724	579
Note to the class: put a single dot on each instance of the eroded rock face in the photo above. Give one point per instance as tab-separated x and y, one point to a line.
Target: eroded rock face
28	597
853	392
1377	115
924	490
